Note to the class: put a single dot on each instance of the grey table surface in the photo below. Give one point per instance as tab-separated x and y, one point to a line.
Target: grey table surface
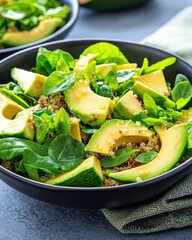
24	218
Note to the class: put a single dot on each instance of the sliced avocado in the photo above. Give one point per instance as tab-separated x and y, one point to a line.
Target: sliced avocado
140	88
87	105
75	129
87	174
19	125
187	115
104	69
45	28
83	62
173	144
154	80
115	132
31	83
126	66
128	106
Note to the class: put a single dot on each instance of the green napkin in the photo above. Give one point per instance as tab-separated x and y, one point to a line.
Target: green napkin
172	209
175	35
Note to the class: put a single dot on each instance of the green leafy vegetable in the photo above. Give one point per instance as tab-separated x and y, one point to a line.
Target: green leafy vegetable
160	65
108	53
50	61
150	105
123	76
58	82
121	156
62	122
68	151
105	91
87	129
146	157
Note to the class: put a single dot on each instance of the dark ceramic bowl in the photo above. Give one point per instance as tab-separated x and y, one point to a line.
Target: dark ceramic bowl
96	197
111	5
58	35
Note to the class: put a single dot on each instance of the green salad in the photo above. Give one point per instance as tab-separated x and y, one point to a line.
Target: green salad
95	121
23	22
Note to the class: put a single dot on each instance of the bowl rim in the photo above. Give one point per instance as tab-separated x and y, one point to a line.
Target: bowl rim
68	25
42	185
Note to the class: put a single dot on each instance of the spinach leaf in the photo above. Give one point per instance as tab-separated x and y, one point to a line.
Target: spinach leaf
125	87
146	157
123	76
58	82
144	66
150	121
31	153
108	53
182	89
68	151
62	122
58	12
121	156
180	78
50	61
150	105
14	97
44	122
111	81
105	91
160	65
87	130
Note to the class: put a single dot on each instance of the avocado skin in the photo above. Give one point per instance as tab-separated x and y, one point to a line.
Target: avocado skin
87	174
174	142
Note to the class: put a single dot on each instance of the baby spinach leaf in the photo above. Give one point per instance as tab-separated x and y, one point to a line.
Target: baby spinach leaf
182	89
108	53
58	82
50	61
146	157
111	81
62	122
150	105
125	87
31	154
180	78
59	12
44	122
121	156
14	97
105	91
68	151
87	130
144	66
160	65
150	121
123	76
32	173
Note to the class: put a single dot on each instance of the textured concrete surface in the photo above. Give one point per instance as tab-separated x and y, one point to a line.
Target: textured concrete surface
24	218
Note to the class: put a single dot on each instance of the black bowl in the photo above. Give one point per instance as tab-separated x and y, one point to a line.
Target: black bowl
96	197
112	5
58	35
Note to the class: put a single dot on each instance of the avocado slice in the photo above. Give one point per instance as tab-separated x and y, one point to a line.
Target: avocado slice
126	66
45	28
115	132
173	145
75	129
31	83
187	115
87	174
104	69
140	88
154	80
87	105
128	106
15	120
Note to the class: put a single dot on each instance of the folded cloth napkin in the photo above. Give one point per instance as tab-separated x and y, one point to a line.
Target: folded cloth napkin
172	209
175	35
